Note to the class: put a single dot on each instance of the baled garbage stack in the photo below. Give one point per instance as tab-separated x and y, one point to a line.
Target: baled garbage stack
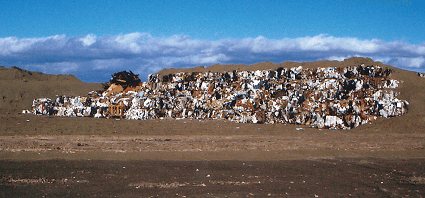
340	98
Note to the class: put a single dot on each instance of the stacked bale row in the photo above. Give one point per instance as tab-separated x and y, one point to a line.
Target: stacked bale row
323	97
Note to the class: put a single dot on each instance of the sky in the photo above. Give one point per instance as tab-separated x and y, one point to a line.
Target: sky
94	39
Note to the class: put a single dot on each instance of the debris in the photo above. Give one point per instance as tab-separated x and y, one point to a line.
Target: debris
415	180
124	79
332	98
199	185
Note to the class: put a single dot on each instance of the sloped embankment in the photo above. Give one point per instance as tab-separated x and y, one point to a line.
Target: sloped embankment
20	87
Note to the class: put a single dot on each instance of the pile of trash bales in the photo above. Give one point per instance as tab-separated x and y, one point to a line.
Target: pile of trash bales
335	98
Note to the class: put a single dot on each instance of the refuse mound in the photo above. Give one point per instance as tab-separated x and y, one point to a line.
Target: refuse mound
332	97
124	79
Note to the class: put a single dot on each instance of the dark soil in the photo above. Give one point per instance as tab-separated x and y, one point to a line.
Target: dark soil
289	178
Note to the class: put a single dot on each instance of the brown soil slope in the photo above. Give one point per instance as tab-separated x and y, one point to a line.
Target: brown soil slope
20	87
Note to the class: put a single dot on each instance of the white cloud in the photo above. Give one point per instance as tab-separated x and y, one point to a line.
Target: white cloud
206	59
101	64
415	62
145	53
66	67
57	67
88	40
382	59
319	43
11	45
129	42
337	58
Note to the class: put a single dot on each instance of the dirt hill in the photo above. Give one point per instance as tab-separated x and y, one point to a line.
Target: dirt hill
20	87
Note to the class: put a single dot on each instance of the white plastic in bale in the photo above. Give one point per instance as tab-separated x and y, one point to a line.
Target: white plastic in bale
332	121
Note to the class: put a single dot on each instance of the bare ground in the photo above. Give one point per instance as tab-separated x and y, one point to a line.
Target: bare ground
68	157
340	177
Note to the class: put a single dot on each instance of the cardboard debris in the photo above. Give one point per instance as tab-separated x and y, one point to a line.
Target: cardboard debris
334	98
123	80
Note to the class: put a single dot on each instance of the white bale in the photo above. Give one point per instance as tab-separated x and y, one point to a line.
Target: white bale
333	121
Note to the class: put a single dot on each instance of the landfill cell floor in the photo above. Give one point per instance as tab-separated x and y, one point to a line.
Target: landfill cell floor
339	177
61	156
42	137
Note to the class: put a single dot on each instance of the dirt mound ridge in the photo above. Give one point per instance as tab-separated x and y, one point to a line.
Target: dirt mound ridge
20	87
269	65
16	73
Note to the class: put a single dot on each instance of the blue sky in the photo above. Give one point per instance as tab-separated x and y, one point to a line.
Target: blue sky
92	40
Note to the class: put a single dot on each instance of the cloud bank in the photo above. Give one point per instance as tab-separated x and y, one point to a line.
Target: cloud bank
94	59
